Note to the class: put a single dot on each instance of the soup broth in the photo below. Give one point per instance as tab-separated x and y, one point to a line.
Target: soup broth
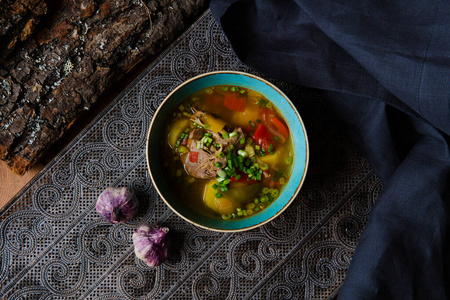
227	152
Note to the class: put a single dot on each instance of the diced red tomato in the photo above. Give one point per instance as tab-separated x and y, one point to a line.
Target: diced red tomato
193	157
243	179
280	127
262	137
234	101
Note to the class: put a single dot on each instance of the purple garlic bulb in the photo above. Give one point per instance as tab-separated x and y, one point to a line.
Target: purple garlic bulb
151	244
117	205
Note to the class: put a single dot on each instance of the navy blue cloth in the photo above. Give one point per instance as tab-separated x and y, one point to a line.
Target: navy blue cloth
385	67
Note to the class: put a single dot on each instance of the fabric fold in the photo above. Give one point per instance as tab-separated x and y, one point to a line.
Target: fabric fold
385	68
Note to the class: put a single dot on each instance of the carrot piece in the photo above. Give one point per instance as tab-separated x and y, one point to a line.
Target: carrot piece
234	102
193	157
280	127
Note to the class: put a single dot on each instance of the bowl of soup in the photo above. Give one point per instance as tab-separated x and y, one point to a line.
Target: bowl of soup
227	151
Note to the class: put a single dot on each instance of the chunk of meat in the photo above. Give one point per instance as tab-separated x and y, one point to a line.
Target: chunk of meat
206	159
204	166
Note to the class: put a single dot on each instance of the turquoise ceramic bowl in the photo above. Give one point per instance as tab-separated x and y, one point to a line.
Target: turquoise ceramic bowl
292	117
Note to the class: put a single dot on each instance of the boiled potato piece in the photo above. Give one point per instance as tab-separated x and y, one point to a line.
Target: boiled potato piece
176	129
251	112
215	123
276	160
244	194
223	205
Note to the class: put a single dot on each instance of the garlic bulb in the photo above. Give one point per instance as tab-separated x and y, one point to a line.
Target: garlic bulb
117	205
151	244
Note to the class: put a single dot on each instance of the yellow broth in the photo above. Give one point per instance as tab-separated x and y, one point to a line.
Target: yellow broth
267	144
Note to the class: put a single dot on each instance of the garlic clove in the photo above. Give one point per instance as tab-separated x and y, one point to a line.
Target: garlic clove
151	244
117	204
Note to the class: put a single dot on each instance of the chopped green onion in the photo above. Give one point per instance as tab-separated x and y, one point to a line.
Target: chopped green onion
181	107
240	213
191	179
226	217
233	134
269	105
225	135
276	138
218	195
250	212
238	209
250	205
289	160
242	91
209	91
200	145
220	179
206	126
275	193
225	88
282	180
256	209
182	149
222	173
237	177
178	172
233	215
256	200
252	124
220	154
218	165
258	120
186	130
233	89
265	190
215	186
242	153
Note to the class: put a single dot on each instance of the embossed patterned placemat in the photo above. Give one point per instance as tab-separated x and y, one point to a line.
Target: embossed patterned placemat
53	244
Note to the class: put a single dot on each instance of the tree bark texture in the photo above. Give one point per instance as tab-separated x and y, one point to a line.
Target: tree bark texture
57	57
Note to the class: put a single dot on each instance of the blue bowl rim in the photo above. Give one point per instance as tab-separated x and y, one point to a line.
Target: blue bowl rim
271	86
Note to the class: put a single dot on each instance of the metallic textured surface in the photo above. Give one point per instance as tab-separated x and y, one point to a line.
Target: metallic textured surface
53	244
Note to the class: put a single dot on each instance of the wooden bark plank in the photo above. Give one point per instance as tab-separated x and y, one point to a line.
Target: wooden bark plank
72	58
